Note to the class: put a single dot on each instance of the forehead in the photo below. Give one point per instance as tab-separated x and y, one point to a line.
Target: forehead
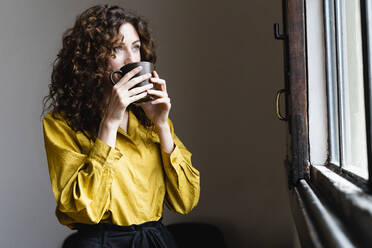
129	33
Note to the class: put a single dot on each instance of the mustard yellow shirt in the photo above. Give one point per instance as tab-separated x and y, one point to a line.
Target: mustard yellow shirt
93	182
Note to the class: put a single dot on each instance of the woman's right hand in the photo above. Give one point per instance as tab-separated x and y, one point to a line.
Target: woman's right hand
122	95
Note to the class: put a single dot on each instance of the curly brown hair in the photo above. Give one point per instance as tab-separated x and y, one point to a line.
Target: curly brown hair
81	68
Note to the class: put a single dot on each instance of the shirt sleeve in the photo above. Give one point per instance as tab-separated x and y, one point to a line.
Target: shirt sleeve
81	182
182	179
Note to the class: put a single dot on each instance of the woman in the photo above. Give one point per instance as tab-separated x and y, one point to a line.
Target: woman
113	163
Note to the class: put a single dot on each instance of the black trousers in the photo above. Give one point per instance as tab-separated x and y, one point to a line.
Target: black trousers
149	234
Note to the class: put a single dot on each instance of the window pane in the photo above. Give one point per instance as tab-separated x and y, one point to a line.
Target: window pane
351	93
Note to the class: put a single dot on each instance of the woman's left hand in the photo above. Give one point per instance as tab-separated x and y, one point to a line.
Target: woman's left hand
158	109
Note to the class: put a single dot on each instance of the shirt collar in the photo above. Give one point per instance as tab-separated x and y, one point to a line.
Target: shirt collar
132	124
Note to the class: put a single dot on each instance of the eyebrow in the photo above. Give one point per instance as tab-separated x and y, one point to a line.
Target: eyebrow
132	42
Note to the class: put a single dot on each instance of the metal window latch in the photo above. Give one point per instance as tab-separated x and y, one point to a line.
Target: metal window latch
277	35
278	114
284	37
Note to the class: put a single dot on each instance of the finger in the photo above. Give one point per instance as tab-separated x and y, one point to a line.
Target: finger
160	82
128	76
156	74
137	90
137	97
134	81
161	100
157	93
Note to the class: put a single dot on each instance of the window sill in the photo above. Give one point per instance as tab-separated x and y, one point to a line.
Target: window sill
349	203
330	211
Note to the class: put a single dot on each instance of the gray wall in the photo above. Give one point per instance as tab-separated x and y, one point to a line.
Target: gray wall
222	67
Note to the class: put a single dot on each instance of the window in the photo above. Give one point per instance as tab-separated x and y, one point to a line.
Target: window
345	86
328	90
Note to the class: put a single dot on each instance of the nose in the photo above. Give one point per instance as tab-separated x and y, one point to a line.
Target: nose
130	58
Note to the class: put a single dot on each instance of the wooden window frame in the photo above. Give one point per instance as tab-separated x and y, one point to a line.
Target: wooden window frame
331	207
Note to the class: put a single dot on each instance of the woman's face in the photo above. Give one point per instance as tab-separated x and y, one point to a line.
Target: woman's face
128	51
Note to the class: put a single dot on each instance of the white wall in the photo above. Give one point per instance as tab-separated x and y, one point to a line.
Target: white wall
222	67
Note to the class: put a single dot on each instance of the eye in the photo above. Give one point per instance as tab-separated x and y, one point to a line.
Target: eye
117	49
136	47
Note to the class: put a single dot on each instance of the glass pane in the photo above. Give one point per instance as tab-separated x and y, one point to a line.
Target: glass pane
351	91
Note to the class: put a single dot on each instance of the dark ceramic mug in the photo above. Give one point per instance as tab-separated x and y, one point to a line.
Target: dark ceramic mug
147	67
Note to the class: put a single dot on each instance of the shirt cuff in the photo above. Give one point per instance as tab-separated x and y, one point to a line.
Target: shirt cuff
103	153
172	159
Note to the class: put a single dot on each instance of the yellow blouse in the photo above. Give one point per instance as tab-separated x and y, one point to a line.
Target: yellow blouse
92	182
